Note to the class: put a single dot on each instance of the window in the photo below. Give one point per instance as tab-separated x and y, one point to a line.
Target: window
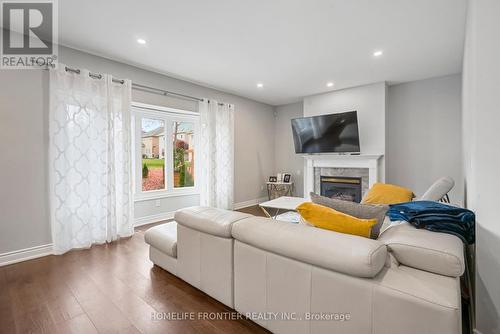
164	166
153	160
183	159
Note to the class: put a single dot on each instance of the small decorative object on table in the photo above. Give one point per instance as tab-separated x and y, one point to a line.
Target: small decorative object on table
273	179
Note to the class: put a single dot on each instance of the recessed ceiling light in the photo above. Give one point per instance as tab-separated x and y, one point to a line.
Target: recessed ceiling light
329	84
141	41
378	53
260	85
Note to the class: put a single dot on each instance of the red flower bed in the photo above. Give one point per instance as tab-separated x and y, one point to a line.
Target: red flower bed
154	181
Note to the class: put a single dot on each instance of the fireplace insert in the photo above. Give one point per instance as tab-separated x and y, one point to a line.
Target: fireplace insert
340	187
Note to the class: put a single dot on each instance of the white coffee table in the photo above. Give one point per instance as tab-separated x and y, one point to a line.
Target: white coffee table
283	203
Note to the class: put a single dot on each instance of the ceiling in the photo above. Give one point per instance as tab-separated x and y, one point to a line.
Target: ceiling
292	47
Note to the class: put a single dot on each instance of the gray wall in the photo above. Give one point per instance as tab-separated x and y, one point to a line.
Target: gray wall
24	209
285	158
424	134
481	119
24	220
253	128
422	130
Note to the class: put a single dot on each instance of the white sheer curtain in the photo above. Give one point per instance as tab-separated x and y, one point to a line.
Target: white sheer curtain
216	154
89	160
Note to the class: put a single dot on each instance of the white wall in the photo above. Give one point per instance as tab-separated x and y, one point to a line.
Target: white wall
481	124
286	160
424	134
24	218
370	103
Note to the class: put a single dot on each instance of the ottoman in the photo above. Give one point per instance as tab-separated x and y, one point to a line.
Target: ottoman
162	240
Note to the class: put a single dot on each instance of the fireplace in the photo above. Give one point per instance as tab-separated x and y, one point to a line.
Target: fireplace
369	168
341	187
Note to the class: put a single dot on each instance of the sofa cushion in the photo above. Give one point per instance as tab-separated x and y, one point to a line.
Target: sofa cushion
209	220
435	252
330	219
345	253
385	193
363	211
163	237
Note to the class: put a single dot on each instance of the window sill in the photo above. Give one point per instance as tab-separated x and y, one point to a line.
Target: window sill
159	195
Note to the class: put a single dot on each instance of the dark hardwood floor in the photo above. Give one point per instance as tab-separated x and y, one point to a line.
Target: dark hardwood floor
111	288
253	210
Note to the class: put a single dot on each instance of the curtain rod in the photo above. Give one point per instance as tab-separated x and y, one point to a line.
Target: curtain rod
142	88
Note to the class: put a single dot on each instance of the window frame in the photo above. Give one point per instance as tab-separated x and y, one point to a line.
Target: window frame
168	116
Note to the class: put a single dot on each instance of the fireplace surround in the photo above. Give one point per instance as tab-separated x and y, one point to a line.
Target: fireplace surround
367	167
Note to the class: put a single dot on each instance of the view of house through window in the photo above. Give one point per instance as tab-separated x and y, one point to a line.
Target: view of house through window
153	154
165	151
183	154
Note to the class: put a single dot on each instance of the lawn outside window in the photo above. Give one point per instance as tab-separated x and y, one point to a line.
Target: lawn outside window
165	151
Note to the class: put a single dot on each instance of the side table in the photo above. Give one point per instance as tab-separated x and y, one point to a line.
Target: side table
279	189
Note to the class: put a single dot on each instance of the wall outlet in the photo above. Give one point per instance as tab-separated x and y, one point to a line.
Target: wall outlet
299	171
157	203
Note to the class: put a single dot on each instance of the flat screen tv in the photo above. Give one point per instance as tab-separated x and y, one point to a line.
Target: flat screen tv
333	133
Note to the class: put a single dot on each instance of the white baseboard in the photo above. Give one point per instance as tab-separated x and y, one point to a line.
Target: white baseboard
170	215
252	202
25	254
44	250
153	218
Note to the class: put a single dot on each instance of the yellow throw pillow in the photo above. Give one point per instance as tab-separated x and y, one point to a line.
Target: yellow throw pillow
330	219
384	193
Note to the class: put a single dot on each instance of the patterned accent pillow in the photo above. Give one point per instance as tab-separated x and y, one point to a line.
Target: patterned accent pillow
362	211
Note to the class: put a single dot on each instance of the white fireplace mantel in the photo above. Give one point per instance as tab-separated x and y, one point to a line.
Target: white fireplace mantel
370	161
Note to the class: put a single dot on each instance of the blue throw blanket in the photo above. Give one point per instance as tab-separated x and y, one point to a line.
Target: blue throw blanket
437	217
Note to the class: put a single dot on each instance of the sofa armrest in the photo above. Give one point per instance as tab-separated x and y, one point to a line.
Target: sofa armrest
209	220
345	253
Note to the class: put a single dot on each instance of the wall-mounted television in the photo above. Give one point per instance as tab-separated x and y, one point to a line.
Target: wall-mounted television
333	133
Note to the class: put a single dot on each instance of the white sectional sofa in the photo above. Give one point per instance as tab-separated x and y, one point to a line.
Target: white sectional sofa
200	251
316	281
